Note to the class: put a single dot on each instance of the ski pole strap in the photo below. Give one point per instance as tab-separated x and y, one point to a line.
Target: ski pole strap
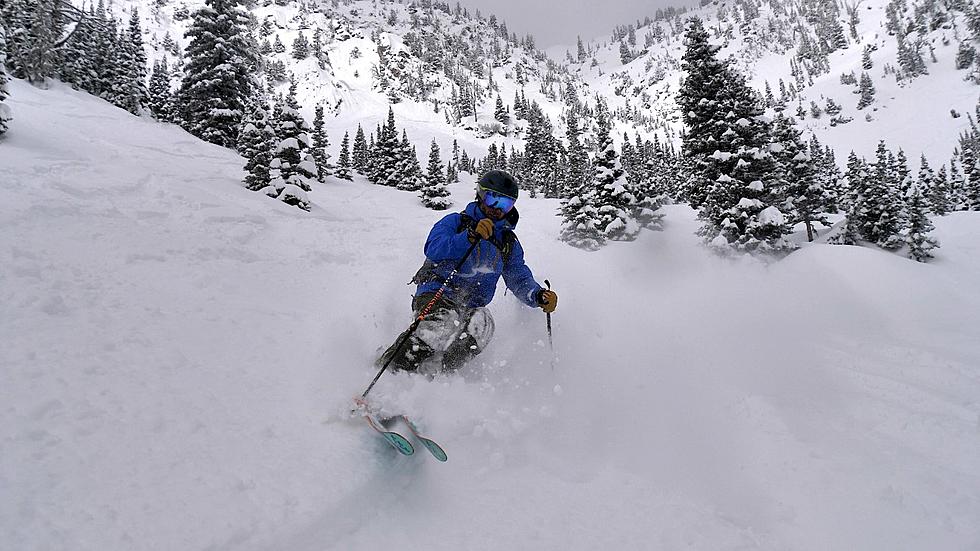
422	315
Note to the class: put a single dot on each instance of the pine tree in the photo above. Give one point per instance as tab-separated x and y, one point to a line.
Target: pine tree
320	144
34	28
731	171
301	47
578	160
957	197
919	225
434	194
293	168
858	182
138	71
255	144
965	55
360	151
344	162
625	55
698	103
806	198
970	188
5	113
882	217
387	155
104	50
500	114
128	81
408	173
579	219
938	190
613	200
866	62
80	66
581	51
161	97
217	76
866	90
518	106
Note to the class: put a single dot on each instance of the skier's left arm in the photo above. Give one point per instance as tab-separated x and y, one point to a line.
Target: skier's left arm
519	278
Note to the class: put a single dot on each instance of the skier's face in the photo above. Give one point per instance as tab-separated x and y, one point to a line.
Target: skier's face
491	212
493	204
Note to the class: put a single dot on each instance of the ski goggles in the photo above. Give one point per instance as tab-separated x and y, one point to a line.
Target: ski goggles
496	200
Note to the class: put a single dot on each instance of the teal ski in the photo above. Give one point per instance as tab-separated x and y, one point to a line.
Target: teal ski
396	440
430	444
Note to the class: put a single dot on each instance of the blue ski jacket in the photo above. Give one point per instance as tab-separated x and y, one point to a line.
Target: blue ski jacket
476	282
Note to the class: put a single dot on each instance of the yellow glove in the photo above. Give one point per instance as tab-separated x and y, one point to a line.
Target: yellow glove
483	230
548	300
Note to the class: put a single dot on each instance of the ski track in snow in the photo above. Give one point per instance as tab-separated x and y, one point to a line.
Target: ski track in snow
179	353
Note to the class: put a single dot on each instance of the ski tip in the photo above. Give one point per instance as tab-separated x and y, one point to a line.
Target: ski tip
435	450
400	443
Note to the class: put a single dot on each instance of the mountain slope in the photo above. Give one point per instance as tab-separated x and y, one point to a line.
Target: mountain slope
178	352
770	42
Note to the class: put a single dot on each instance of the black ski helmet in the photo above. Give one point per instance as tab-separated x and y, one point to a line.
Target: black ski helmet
499	181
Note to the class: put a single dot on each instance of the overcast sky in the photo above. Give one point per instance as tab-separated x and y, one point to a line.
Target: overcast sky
558	22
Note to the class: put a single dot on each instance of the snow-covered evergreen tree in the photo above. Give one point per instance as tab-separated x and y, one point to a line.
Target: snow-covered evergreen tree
344	161
970	163
218	75
5	113
919	225
579	171
881	220
732	173
858	180
359	153
938	191
161	97
613	200
957	196
434	193
408	174
541	153
293	169
806	199
80	65
301	47
256	144
579	218
698	102
386	155
320	144
34	29
500	113
128	88
866	90
135	81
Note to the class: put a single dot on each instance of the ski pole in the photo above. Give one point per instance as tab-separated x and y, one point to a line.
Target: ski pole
422	315
551	341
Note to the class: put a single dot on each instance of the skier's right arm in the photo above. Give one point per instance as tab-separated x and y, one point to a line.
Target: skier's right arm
444	242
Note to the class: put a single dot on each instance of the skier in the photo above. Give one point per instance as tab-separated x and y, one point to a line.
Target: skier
459	326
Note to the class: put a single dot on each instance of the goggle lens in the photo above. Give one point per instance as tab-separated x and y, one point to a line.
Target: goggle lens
495	200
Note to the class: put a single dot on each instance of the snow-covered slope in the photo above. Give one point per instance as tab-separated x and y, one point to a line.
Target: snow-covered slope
177	351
